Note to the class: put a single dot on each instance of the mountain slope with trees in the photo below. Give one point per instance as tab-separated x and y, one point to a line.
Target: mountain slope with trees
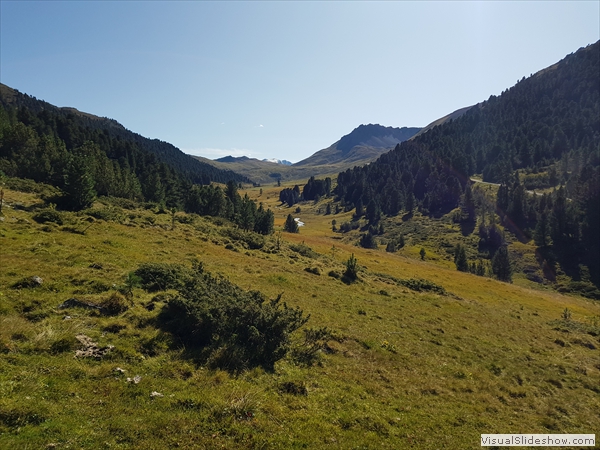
542	133
37	139
86	156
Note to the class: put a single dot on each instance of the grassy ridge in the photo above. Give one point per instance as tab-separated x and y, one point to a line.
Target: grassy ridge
407	368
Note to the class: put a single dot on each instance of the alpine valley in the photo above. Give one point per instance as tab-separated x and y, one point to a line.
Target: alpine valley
401	288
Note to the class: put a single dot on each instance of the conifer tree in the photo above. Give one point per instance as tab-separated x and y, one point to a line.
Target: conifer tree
501	266
460	259
351	273
79	184
368	241
290	225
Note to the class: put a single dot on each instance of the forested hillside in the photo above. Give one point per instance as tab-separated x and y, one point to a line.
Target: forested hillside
543	133
41	141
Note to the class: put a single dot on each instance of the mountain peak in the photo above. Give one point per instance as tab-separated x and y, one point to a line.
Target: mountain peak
375	135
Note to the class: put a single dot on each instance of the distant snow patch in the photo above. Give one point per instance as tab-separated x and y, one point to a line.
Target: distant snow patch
297	220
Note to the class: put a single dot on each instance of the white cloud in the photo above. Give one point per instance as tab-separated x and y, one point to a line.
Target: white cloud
260	126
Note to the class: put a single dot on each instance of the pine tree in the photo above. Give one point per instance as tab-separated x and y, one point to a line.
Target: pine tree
368	241
401	241
542	230
351	273
501	266
460	259
247	213
290	225
79	184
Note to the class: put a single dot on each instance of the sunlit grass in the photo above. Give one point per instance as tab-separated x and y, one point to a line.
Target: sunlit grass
409	368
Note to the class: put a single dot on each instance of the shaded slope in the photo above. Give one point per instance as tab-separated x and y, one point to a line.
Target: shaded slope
74	127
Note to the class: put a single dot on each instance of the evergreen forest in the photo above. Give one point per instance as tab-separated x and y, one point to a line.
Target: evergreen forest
538	141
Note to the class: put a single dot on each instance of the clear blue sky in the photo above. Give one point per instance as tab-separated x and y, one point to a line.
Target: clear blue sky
279	79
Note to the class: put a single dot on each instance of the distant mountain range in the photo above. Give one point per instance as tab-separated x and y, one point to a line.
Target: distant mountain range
362	146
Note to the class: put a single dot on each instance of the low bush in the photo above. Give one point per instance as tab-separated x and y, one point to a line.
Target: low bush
230	328
419	284
109	214
115	304
156	277
313	270
304	250
315	341
48	215
252	240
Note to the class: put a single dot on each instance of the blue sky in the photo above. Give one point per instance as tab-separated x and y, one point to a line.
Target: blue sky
279	79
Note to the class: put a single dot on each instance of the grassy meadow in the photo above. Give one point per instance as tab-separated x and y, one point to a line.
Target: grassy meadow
410	364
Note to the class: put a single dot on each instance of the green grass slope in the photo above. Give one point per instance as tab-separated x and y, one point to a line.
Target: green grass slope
412	364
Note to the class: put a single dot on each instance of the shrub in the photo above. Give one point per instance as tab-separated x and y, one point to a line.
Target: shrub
315	341
162	276
109	214
252	240
114	304
233	329
419	284
304	250
48	215
368	241
19	417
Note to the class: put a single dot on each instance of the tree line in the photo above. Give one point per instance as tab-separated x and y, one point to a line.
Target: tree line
87	156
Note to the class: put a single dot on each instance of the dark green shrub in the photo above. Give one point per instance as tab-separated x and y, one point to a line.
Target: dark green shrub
48	215
162	276
252	240
368	241
290	225
231	328
304	250
313	270
315	341
419	284
109	214
115	304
